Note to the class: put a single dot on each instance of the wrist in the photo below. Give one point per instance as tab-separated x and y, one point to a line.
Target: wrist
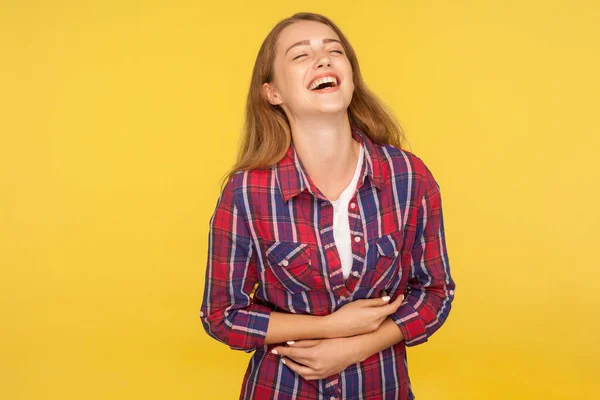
327	327
357	343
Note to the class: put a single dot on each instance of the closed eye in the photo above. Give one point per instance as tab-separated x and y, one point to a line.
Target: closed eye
300	55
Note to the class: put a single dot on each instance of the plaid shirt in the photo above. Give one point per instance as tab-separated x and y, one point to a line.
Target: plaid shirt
271	248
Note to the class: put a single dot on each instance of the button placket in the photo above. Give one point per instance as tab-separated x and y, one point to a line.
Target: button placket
357	244
325	223
356	272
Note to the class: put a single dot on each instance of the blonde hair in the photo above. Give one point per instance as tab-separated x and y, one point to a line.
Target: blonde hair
266	132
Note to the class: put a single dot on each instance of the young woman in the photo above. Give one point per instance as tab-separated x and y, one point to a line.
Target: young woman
327	254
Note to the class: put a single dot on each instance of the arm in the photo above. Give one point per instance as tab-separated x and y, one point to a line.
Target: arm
431	286
355	318
286	326
371	343
228	313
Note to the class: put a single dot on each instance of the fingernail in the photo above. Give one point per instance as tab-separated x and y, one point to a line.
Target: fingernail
283	360
385	298
291	342
274	351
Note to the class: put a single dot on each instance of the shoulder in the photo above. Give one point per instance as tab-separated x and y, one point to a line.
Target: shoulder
401	158
402	165
248	180
246	183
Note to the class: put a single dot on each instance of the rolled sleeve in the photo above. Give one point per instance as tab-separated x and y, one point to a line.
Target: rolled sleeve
430	284
228	313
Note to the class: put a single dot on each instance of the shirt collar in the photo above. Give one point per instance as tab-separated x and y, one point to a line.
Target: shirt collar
293	179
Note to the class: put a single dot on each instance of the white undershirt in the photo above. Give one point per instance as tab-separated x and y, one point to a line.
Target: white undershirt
341	225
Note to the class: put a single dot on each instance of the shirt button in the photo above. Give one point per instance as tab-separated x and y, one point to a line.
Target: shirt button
332	398
201	314
451	292
285	263
352	205
396	253
355	273
342	298
357	239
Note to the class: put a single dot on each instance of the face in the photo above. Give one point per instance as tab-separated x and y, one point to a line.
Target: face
307	50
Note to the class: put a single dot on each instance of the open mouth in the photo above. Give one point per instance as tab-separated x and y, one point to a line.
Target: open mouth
322	84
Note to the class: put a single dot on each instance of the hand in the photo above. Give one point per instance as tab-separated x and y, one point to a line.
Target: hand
361	316
317	359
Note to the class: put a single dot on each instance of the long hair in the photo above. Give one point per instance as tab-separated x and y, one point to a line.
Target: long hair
266	132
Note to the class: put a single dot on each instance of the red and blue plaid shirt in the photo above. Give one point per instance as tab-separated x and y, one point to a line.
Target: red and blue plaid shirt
271	248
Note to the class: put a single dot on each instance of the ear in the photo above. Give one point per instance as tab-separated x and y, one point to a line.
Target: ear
271	94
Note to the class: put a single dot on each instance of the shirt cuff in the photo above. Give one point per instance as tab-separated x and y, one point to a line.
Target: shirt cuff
411	324
249	328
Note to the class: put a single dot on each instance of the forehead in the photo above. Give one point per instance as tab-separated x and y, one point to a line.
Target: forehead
304	30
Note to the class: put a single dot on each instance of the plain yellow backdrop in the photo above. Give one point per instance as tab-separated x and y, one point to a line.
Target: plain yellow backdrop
119	118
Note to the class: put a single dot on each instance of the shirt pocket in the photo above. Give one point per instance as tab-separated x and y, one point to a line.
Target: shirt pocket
290	264
388	264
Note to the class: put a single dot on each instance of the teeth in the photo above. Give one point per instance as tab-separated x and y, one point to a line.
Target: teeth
323	80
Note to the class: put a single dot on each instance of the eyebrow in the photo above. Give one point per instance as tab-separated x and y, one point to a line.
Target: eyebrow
306	43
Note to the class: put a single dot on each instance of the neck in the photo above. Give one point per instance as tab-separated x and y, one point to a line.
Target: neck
328	152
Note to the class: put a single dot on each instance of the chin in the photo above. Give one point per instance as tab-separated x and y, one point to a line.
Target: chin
336	110
332	108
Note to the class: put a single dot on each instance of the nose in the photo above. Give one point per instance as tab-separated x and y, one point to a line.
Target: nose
323	59
323	62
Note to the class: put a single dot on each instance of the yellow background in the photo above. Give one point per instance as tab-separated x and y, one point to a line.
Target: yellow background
119	118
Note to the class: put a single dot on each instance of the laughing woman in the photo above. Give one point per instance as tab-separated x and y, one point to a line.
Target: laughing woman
327	255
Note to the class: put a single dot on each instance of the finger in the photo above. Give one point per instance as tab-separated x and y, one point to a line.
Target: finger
398	300
393	306
378	301
301	370
304	343
300	355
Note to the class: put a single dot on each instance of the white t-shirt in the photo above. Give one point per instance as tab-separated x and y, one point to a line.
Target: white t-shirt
341	225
